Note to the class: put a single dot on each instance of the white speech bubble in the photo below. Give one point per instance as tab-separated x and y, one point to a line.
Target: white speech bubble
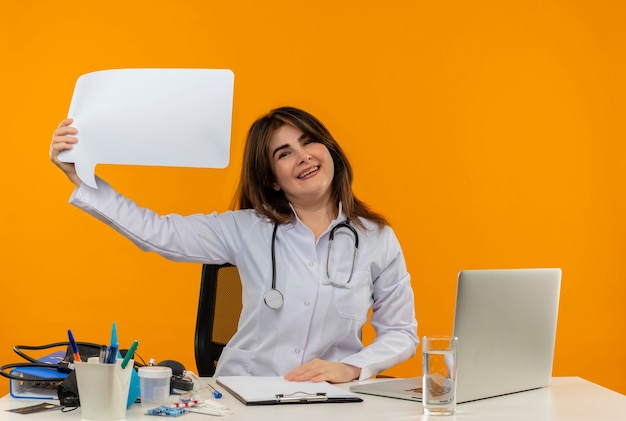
160	117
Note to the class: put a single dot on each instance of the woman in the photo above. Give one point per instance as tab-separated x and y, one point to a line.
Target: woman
302	316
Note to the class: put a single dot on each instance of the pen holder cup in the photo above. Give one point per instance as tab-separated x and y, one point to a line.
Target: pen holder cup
103	389
154	384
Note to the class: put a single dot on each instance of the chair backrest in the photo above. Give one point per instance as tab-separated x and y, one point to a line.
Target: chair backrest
219	308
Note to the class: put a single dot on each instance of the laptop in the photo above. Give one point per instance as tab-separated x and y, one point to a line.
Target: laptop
506	321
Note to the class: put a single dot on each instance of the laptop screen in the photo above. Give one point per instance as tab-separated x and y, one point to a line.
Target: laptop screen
505	320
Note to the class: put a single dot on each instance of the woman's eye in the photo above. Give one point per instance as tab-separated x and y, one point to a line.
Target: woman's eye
283	154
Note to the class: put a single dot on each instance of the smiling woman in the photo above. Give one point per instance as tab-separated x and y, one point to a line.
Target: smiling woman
304	172
294	194
302	142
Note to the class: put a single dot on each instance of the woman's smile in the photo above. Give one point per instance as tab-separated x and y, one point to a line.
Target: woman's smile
308	172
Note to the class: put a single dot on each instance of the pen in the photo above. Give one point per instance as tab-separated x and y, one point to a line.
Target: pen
111	354
73	345
103	354
216	393
129	353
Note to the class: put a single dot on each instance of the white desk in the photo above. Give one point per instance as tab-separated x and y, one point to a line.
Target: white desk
567	398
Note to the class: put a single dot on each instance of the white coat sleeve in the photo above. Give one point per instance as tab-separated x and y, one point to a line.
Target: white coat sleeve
393	316
196	238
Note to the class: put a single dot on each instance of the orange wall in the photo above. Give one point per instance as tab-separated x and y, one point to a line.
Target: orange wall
490	133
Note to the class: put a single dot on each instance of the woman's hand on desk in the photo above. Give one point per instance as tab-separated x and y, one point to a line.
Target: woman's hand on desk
320	370
64	139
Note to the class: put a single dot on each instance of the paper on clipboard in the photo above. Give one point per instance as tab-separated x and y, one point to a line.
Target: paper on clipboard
277	390
160	117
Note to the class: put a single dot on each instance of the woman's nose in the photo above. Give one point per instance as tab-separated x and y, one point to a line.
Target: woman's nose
303	156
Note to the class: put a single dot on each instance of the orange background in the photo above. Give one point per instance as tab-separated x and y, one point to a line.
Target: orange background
490	133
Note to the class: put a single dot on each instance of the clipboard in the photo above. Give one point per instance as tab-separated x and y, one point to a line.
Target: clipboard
276	390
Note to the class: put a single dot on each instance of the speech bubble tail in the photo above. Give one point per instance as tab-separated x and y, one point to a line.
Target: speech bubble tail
85	171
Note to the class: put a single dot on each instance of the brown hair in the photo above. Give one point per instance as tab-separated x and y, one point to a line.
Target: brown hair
255	190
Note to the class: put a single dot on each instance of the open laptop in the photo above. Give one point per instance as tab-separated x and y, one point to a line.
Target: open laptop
505	320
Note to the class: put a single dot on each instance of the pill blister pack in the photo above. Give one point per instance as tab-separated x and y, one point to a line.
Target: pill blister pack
208	407
211	407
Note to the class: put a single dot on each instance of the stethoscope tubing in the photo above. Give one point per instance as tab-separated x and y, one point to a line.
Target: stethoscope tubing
274	298
344	224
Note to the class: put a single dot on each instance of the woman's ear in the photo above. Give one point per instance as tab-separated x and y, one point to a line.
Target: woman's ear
275	186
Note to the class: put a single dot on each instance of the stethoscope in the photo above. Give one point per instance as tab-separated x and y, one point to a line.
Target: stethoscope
274	298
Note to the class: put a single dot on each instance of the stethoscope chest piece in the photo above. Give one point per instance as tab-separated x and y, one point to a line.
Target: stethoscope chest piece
273	299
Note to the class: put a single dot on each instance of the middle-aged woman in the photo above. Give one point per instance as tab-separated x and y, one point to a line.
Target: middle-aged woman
304	304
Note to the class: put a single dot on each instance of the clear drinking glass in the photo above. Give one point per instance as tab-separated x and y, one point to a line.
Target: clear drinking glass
439	357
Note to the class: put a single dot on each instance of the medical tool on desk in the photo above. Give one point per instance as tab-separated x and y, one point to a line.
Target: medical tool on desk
274	298
216	393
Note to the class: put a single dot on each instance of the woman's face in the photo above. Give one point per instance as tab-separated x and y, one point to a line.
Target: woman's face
303	167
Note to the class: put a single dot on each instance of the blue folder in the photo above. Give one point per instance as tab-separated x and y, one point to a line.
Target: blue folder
35	389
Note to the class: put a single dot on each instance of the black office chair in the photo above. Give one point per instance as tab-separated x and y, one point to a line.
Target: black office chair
219	308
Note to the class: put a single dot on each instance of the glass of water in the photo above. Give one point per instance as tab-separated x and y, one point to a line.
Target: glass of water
439	356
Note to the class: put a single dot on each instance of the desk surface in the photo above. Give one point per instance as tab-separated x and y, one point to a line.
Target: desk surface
567	398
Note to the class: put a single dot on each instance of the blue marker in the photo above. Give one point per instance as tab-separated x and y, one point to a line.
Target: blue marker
111	354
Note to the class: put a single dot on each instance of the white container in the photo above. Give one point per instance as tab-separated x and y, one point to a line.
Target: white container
103	389
154	384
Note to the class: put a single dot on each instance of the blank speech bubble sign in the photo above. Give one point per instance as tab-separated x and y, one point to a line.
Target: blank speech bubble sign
158	117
